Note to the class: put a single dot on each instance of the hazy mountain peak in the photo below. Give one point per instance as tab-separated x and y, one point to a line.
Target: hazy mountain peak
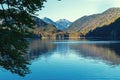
61	24
39	22
63	20
48	20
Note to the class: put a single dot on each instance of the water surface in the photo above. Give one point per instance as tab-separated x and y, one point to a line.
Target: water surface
70	60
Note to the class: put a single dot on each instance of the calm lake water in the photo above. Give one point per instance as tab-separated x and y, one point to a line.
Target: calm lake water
70	60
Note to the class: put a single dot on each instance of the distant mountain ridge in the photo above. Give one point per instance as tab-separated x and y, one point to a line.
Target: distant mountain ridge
89	23
48	20
104	25
42	27
39	22
61	24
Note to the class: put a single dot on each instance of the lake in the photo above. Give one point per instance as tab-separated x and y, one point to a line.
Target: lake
69	60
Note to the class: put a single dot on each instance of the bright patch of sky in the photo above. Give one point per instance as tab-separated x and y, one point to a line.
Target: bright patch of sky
74	9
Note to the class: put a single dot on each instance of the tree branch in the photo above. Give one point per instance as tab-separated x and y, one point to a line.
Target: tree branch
4	13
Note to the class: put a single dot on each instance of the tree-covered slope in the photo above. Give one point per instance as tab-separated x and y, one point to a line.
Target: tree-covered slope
42	27
111	31
89	23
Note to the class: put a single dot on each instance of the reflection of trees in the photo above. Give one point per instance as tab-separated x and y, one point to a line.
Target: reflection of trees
15	63
12	50
107	52
38	48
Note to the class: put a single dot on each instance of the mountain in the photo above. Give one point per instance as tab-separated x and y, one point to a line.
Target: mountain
111	31
60	24
63	24
42	28
86	24
48	20
39	22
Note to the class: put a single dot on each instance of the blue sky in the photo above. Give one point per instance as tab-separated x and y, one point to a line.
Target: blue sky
74	9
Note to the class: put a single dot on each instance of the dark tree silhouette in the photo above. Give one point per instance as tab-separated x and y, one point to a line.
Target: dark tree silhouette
15	21
16	18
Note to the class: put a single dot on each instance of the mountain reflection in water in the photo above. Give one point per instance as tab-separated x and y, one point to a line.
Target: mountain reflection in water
58	59
104	50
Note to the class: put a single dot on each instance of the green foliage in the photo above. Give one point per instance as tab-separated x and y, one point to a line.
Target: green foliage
19	12
16	18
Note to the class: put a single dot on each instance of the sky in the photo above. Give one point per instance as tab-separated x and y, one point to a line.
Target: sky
74	9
